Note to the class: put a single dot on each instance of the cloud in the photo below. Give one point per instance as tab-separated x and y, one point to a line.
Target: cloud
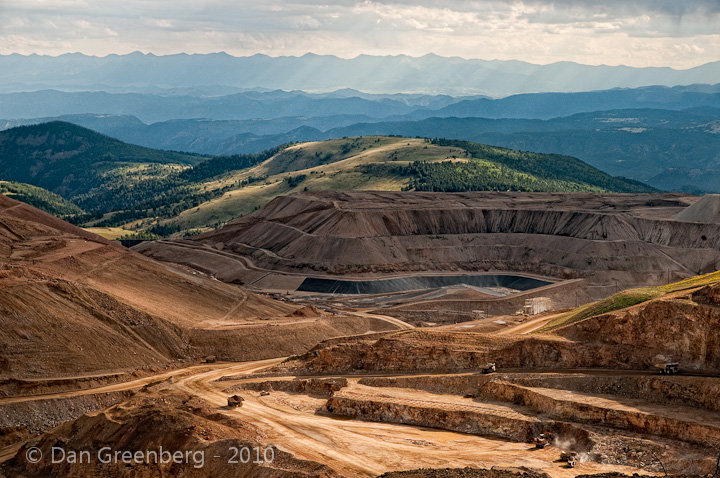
636	32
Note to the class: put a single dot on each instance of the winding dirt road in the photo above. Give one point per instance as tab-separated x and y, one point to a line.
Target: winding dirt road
393	320
529	326
353	448
358	448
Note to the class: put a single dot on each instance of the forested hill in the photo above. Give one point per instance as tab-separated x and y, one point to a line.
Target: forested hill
501	169
82	175
70	160
40	198
105	182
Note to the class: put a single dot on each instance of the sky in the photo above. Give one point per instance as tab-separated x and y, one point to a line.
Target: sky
676	33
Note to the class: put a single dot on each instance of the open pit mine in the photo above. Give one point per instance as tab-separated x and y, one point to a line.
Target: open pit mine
367	334
449	257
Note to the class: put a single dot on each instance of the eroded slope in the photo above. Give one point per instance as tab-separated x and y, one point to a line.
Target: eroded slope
73	303
612	240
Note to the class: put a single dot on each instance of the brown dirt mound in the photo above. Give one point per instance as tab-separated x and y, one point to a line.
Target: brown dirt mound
307	311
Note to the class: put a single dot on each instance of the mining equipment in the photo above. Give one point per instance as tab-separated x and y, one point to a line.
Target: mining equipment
569	458
235	401
489	368
668	368
543	440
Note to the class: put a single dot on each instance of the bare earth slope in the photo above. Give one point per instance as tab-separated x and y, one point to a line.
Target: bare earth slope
72	303
612	240
366	404
677	327
707	209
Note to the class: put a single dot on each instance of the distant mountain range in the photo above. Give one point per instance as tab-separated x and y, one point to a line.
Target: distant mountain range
353	105
220	73
667	137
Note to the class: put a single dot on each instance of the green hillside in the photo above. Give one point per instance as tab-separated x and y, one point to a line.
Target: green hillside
495	168
40	198
141	189
70	160
393	164
100	174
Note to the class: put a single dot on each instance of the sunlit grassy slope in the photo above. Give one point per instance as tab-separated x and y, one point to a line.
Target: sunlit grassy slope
111	233
367	163
390	164
107	183
627	298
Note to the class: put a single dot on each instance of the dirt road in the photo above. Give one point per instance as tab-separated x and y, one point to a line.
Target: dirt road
529	326
359	448
351	447
120	386
395	321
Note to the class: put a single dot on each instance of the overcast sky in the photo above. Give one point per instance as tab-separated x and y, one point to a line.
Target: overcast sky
676	33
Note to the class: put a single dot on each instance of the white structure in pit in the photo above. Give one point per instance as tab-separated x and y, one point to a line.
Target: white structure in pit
537	305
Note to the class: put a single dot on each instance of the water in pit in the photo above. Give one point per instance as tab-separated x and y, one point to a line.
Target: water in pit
335	286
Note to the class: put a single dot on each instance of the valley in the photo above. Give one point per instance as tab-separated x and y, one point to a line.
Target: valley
360	265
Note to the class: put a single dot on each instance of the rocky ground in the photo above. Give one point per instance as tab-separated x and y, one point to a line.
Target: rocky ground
155	422
592	383
464	473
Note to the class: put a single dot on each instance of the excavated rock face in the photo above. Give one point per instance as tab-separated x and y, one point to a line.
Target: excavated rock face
621	475
495	473
631	239
436	351
659	331
709	295
322	387
675	330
